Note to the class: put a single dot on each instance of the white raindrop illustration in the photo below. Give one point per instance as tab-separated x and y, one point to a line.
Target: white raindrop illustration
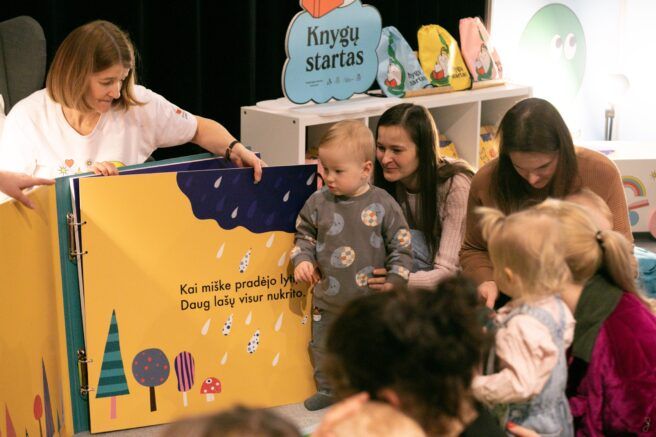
234	212
286	197
304	319
217	183
224	359
270	240
278	324
254	342
245	260
310	179
219	254
276	359
281	261
249	318
206	327
227	326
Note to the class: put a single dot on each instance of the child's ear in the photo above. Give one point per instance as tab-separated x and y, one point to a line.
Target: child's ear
390	396
508	275
367	168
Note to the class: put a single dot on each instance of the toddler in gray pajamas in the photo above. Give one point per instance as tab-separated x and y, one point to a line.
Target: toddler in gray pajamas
343	232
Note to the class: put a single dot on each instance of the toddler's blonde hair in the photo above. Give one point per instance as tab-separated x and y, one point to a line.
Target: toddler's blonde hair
527	243
595	206
379	420
587	248
353	137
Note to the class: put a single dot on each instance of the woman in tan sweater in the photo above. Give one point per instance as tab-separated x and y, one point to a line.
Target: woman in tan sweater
537	159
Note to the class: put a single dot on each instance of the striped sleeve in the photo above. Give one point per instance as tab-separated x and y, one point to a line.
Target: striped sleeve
453	215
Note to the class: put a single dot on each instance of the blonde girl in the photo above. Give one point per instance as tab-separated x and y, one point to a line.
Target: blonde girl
612	371
534	328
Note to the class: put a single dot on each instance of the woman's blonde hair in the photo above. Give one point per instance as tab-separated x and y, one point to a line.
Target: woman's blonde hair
91	48
527	243
587	249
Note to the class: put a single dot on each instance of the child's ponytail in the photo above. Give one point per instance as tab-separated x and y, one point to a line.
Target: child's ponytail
589	250
618	260
491	221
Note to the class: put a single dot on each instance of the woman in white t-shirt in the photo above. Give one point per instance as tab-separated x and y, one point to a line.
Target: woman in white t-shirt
93	117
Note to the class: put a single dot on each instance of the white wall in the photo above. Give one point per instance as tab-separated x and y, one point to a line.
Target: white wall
619	38
637	113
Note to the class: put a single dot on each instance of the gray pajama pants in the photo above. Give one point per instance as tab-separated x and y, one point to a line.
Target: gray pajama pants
318	349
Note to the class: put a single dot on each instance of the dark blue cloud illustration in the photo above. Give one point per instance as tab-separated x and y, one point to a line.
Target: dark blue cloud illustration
231	198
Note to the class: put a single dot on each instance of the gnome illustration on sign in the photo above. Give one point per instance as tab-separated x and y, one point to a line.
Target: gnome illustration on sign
393	75
483	64
395	81
440	73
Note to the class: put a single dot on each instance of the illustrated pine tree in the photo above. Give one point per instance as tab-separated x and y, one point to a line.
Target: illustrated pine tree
112	381
9	425
50	425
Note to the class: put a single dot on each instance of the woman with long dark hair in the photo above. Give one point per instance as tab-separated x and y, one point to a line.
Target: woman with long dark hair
432	191
537	159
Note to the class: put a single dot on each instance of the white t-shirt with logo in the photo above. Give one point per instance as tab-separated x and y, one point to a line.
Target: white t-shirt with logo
38	140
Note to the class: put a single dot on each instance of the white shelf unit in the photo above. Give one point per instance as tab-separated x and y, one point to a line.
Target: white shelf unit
282	131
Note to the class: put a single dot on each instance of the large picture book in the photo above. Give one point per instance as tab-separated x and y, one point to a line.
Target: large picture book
164	292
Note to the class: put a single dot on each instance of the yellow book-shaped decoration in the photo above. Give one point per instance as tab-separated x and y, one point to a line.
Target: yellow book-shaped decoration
440	58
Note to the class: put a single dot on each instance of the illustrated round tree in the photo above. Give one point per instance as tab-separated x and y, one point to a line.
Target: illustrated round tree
112	381
151	368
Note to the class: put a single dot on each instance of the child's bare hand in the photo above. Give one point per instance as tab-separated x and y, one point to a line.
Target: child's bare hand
520	431
489	291
316	276
306	272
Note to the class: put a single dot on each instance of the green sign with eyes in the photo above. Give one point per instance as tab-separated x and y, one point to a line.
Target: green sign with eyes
554	40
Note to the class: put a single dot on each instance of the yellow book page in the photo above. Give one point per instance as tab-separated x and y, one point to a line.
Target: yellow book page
180	293
34	391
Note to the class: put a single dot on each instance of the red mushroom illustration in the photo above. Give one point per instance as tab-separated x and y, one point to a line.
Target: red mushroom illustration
210	387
